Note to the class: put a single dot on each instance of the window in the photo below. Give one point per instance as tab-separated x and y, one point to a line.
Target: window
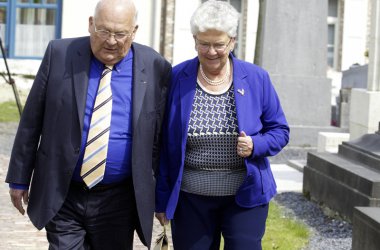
28	25
332	35
3	20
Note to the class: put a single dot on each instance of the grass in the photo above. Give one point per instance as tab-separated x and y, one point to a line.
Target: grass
281	232
9	112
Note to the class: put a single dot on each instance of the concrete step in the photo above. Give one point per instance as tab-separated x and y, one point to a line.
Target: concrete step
353	174
366	228
340	183
365	150
297	164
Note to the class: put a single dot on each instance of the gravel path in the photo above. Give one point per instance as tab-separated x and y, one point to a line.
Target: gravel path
327	233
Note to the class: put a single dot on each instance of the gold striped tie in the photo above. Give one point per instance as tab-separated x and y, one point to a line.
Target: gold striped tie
94	160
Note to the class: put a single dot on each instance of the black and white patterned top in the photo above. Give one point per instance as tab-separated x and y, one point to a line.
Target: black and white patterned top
212	166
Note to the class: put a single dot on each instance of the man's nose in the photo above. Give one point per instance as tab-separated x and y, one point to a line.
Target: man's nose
111	39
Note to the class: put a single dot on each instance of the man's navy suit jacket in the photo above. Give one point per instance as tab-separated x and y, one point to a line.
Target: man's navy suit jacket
48	139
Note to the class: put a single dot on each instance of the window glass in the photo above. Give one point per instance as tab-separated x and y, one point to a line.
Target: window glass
3	23
330	45
37	27
23	1
333	8
51	1
3	19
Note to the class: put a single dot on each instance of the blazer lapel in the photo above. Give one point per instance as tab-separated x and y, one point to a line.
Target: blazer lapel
80	69
140	82
241	92
187	86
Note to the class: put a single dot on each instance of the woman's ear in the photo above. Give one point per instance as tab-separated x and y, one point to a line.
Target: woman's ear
195	43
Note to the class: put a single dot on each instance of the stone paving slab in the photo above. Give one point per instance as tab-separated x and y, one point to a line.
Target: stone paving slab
288	179
16	230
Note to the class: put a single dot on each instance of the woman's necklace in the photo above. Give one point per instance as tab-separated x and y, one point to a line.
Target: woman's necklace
216	82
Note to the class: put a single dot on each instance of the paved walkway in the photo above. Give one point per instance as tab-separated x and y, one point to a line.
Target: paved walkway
17	232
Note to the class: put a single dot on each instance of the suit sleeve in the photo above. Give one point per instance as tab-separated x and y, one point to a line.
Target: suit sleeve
161	112
163	189
28	135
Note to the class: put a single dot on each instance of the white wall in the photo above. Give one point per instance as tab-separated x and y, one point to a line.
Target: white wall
252	20
75	16
183	47
354	33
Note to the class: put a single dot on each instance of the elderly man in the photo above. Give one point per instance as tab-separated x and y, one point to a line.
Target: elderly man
87	146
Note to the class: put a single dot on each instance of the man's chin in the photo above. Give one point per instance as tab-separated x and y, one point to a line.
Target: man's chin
110	59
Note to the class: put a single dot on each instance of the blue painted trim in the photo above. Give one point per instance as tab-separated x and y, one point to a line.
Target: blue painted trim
58	20
12	28
10	32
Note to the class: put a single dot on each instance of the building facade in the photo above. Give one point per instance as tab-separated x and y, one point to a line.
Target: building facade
26	26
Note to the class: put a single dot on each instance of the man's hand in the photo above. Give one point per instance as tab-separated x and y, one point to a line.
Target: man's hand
162	218
17	196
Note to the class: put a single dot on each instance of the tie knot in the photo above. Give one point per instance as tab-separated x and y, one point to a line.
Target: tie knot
107	68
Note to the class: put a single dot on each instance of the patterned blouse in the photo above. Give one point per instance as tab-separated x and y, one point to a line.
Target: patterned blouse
212	166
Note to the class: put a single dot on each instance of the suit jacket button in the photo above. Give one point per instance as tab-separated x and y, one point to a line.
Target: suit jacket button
77	150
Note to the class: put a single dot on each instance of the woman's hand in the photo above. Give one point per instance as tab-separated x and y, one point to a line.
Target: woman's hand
244	145
162	218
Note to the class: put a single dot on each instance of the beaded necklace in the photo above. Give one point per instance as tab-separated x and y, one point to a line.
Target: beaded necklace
216	82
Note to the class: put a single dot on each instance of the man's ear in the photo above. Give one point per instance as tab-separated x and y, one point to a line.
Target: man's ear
134	32
90	23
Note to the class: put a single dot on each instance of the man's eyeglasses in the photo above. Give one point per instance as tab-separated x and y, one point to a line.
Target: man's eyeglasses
106	34
205	47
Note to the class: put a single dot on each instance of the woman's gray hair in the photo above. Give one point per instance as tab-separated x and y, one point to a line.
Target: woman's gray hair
217	15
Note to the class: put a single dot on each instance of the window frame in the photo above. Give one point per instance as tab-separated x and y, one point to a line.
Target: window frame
334	22
9	41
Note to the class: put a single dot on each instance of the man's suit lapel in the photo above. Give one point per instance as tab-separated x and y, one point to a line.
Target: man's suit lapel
80	70
140	82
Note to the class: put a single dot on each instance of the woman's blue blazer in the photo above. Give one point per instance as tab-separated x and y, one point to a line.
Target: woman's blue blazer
259	115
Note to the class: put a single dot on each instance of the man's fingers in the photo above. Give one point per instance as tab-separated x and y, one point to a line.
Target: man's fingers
25	197
17	203
20	208
162	218
16	197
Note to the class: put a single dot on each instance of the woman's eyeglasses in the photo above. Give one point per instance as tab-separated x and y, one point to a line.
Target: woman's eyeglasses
204	47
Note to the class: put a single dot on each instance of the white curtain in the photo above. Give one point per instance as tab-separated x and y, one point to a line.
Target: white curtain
31	40
34	29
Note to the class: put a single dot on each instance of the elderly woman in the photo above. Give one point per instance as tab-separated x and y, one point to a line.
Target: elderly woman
223	119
